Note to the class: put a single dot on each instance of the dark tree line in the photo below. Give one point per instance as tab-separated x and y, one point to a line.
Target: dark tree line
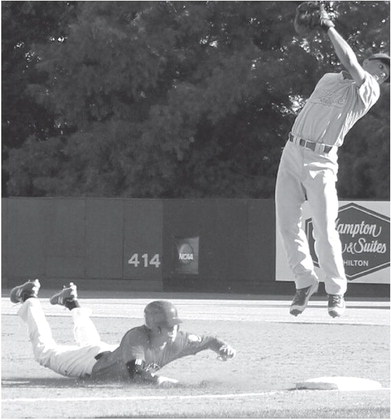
173	99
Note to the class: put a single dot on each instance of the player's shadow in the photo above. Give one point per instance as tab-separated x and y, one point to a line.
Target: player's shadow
63	382
60	382
37	383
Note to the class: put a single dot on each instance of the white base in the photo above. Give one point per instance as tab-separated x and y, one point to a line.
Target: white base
342	383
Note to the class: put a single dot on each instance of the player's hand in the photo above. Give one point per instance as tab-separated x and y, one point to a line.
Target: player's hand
325	20
164	381
226	352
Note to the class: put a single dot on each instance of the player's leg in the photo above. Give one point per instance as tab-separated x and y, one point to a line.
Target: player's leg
290	196
84	330
78	361
323	199
71	361
32	314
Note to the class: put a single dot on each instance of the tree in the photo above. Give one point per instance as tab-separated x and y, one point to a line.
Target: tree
179	99
23	24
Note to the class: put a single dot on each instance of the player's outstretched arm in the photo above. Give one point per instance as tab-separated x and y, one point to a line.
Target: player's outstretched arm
312	15
344	52
193	344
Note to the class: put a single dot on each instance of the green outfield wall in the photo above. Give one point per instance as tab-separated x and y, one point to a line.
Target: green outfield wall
173	245
219	245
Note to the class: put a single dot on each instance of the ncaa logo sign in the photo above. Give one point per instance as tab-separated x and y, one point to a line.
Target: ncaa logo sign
185	254
365	239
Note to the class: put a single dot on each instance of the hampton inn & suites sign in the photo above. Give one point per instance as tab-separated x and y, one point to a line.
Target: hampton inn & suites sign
364	230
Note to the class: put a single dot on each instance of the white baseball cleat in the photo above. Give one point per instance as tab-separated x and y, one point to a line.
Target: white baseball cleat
336	305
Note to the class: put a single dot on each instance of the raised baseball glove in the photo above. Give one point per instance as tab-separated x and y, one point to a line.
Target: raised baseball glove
311	16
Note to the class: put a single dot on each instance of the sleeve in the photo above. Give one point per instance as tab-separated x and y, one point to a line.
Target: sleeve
369	91
132	346
193	344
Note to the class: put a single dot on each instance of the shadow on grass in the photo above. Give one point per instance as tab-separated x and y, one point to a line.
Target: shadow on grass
60	382
64	382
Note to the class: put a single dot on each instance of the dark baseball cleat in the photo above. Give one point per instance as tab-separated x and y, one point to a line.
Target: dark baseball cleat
336	305
301	299
25	291
67	294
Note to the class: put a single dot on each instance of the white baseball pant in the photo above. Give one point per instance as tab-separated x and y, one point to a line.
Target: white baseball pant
73	361
304	174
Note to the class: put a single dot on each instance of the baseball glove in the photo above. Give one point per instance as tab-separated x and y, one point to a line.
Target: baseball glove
311	16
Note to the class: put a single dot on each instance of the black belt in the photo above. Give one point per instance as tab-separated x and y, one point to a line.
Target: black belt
323	148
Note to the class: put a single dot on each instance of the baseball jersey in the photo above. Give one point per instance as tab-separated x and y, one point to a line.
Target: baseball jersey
335	105
136	344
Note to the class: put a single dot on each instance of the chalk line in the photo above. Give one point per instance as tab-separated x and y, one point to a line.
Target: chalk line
172	397
140	397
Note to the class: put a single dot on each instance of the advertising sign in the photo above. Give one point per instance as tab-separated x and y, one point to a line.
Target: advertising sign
364	230
186	255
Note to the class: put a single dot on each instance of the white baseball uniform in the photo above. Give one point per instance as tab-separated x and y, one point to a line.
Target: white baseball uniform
308	171
94	359
74	361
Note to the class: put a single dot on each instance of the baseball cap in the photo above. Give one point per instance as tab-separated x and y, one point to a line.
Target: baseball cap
384	58
161	313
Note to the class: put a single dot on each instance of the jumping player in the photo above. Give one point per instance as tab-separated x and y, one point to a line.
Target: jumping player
141	353
308	169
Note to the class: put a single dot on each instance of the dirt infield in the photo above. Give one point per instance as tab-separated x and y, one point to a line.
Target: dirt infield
275	351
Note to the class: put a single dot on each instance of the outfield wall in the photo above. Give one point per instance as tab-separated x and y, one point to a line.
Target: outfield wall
186	245
132	244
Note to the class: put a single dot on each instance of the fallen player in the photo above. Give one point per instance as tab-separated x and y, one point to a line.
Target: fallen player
141	353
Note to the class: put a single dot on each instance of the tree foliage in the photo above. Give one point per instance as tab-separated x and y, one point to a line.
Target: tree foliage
24	23
173	99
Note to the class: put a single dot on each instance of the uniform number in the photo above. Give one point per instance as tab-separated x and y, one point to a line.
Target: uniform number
145	260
